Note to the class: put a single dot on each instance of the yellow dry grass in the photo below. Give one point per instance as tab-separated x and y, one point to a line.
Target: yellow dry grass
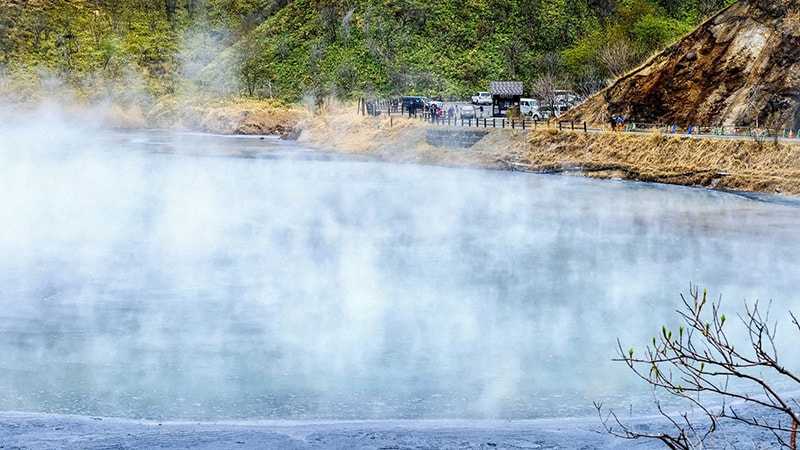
123	117
749	165
342	129
228	116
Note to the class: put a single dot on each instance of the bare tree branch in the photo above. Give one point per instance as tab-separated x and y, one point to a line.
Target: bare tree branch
699	362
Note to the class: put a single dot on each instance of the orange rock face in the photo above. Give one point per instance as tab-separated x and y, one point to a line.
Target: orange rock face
739	68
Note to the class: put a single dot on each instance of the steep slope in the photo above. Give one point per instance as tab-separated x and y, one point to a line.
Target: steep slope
740	68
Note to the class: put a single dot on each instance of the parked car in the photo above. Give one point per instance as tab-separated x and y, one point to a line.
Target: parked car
411	103
563	107
482	98
467	112
548	112
529	107
568	97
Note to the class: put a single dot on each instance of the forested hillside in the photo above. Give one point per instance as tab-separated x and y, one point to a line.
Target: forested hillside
288	49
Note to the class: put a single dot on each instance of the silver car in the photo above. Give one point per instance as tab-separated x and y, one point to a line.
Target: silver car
467	112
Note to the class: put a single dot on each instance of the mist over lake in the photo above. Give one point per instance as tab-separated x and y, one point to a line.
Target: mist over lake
154	275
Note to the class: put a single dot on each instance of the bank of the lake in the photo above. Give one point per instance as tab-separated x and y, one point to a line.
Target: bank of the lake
204	114
747	165
742	165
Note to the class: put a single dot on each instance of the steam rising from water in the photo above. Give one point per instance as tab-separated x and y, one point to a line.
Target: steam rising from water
144	282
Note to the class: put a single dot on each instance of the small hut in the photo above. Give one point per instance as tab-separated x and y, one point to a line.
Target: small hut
505	95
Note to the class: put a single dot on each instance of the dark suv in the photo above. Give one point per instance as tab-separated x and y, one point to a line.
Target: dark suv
412	103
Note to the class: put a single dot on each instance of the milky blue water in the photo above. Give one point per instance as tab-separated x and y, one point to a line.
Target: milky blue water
176	276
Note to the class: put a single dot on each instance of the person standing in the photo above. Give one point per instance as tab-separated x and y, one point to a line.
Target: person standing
620	122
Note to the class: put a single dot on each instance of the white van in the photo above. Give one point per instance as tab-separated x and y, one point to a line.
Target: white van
529	107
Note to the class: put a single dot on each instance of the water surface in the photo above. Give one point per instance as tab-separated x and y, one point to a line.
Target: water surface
143	278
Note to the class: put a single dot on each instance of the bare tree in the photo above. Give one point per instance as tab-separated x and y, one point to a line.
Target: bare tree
588	82
550	63
698	362
514	54
347	22
755	99
617	57
683	433
544	88
603	8
329	21
318	87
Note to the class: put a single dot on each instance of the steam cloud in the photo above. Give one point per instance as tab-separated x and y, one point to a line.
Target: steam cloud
142	281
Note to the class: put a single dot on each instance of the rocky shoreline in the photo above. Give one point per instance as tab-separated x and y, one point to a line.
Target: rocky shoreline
46	431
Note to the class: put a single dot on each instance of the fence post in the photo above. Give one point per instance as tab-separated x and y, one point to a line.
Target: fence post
559	126
535	123
391	121
572	124
484	122
523	123
584	128
504	122
512	124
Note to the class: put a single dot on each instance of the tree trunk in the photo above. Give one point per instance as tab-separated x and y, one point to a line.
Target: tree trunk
170	6
191	7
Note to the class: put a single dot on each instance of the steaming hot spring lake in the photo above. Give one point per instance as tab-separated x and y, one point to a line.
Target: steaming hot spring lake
167	276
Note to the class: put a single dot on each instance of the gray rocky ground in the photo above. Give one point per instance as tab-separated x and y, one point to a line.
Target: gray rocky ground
38	431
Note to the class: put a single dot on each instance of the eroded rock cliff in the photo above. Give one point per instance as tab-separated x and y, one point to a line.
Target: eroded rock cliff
739	68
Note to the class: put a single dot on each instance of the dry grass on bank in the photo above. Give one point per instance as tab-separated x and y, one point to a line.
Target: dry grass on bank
722	164
228	116
725	164
746	165
342	129
232	115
